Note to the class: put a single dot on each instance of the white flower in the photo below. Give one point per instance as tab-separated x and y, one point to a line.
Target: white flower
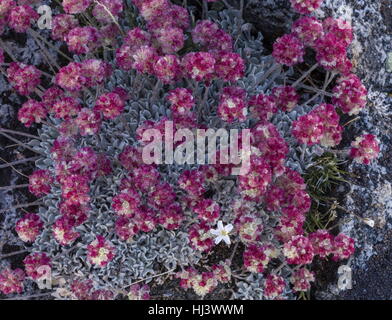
369	222
222	233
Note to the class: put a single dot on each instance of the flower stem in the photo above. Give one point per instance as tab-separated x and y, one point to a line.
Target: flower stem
305	75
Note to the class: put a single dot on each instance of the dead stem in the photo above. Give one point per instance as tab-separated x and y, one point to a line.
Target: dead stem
20	143
24	205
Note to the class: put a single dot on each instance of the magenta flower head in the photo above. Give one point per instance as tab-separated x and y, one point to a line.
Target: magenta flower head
144	59
21	18
33	264
181	100
83	40
23	78
298	250
31	112
11	281
330	51
253	185
5	8
40	182
95	71
111	105
322	243
171	216
343	247
207	211
342	29
103	7
199	66
170	39
63	230
305	6
308	129
263	107
75	6
350	94
365	149
65	108
139	292
256	257
200	238
62	24
136	38
229	66
71	77
308	29
288	50
88	121
100	252
29	227
274	286
127	203
233	105
167	68
301	279
286	98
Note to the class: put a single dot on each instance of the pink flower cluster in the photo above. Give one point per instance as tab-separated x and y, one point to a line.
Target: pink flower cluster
139	292
350	95
232	105
100	252
23	78
11	281
365	149
85	290
256	258
29	227
36	265
205	282
320	126
305	6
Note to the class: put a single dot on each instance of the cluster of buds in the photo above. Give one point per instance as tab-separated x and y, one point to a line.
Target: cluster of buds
100	252
29	227
182	102
305	6
205	282
210	37
256	257
32	111
253	185
75	6
84	290
207	210
350	95
200	237
288	50
106	10
321	125
193	182
364	149
11	281
62	24
298	250
21	17
232	105
274	286
111	105
308	29
139	292
40	182
269	143
301	279
23	78
286	98
36	265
